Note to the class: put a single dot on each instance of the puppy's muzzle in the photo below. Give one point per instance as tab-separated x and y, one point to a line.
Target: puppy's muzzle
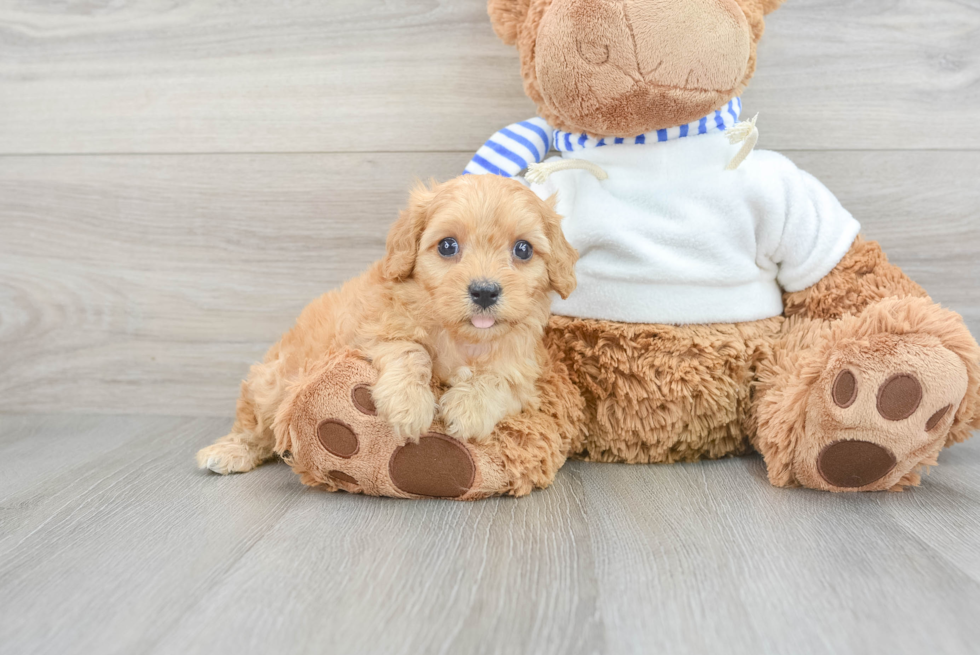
484	293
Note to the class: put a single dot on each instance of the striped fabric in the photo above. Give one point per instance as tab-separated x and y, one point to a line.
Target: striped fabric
512	149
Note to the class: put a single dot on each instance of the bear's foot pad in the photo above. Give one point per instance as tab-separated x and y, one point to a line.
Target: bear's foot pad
879	413
337	441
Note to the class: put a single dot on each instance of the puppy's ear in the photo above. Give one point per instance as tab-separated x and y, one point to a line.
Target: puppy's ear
561	260
402	246
506	17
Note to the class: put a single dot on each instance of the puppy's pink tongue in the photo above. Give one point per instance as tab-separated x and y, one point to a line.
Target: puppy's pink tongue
482	322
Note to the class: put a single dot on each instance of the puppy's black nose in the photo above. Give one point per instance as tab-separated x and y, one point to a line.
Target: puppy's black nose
485	294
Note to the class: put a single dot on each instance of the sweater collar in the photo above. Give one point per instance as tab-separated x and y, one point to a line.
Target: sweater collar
717	121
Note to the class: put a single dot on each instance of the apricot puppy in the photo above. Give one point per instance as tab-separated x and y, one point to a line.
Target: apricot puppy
462	294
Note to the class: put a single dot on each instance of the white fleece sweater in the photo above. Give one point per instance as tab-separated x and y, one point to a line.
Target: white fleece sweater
673	237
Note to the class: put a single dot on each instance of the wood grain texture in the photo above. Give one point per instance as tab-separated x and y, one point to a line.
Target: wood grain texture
429	75
149	284
128	549
710	558
135	551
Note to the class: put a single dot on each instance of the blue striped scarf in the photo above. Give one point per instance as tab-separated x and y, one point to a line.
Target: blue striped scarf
514	148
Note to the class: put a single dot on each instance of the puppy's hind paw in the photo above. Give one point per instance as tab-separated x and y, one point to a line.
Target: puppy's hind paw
227	457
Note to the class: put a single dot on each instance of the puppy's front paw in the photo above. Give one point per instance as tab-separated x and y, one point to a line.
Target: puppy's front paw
409	409
468	414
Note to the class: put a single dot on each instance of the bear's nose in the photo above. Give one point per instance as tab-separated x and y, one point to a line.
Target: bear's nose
484	293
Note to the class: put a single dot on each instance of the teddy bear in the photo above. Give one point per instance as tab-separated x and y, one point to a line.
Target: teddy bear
726	301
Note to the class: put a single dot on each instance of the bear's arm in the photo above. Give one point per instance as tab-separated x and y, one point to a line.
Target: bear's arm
826	268
864	276
812	231
512	149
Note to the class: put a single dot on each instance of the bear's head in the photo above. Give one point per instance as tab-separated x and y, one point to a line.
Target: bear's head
618	68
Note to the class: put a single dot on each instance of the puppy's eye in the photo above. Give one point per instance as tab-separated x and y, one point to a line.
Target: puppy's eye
448	247
523	250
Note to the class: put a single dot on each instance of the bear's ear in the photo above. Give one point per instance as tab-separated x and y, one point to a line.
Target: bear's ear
769	6
506	17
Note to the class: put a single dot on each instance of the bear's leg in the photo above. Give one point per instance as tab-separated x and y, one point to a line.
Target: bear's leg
865	401
662	393
328	431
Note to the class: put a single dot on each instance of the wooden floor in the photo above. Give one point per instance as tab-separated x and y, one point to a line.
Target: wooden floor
177	179
112	542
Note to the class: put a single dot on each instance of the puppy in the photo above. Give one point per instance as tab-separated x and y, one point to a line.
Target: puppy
462	294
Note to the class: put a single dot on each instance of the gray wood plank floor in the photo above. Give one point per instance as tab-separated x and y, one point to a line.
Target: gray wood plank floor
111	542
178	178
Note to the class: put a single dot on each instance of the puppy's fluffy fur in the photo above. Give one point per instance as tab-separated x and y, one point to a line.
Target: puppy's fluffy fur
414	315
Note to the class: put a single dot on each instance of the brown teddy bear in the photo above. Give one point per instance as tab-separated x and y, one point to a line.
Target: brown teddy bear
725	302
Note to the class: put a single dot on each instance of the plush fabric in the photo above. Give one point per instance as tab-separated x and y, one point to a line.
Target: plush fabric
594	66
658	393
662	393
795	418
673	237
